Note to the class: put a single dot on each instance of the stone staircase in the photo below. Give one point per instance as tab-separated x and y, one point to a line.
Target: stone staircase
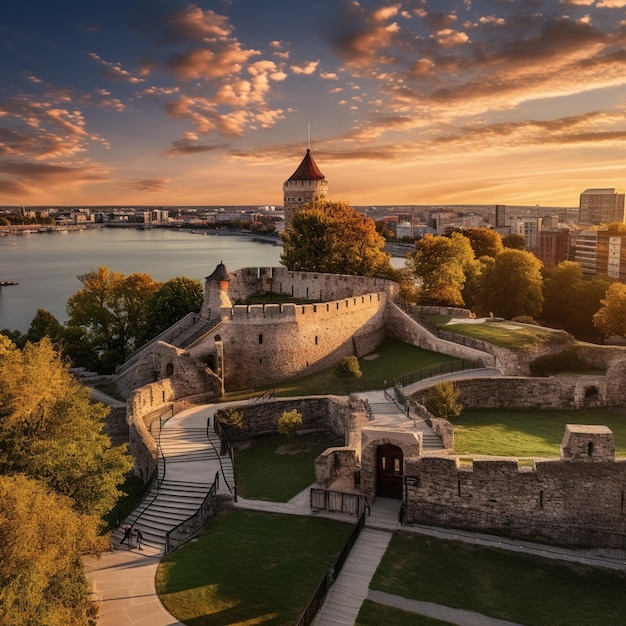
195	333
386	413
190	463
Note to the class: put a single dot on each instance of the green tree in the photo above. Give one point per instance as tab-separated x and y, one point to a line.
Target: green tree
173	300
349	369
559	285
44	324
111	309
611	318
289	423
515	241
42	538
51	431
512	285
441	265
332	237
484	241
442	400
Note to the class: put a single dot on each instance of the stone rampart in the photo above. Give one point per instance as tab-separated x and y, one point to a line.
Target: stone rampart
403	327
304	285
583	489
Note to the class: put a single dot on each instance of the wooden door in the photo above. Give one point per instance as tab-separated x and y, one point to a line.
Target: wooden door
389	471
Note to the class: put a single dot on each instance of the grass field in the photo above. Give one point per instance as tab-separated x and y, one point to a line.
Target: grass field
528	432
275	468
390	360
505	585
373	614
250	568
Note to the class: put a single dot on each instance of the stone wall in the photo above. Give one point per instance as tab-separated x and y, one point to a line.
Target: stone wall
304	285
583	490
261	418
403	327
263	344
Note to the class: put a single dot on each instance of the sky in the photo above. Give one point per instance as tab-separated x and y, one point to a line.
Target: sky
161	102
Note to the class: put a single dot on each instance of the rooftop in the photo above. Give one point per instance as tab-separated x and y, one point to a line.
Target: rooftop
307	170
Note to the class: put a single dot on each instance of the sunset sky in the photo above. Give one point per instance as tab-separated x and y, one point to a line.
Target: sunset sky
161	102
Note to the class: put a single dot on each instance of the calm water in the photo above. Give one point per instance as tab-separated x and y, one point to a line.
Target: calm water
46	264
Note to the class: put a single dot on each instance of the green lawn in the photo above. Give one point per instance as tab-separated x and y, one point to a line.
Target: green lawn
373	614
508	334
276	468
528	432
390	360
250	568
505	585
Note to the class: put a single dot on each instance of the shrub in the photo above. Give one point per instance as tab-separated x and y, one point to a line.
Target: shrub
289	422
348	368
442	400
525	319
230	417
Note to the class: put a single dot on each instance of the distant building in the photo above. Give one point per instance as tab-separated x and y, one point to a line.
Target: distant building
601	206
584	245
553	246
306	184
500	215
529	228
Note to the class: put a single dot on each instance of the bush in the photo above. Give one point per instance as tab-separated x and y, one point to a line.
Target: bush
289	423
230	417
525	319
442	400
349	368
551	364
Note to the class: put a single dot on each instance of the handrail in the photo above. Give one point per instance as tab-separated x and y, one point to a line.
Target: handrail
219	456
190	526
330	576
225	448
458	365
159	480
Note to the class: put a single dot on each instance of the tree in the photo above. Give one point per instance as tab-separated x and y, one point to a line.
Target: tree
515	241
349	369
289	423
511	285
611	318
559	284
332	237
173	300
44	324
51	431
442	400
111	309
42	538
484	241
441	263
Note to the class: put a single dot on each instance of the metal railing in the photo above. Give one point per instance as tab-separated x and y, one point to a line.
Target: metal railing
448	367
189	527
338	502
224	445
330	576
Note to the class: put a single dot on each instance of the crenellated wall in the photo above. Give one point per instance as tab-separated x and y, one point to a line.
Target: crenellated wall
577	499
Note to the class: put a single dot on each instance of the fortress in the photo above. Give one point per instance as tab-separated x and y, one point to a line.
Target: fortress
577	499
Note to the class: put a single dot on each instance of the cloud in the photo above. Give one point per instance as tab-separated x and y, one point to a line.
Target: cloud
114	71
308	68
612	4
208	64
150	185
194	24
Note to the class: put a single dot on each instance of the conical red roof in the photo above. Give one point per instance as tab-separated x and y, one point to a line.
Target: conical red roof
307	170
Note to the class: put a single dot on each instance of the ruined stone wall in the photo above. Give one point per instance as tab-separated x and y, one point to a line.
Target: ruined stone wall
263	344
304	285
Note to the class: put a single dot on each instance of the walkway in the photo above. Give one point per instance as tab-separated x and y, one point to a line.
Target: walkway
124	579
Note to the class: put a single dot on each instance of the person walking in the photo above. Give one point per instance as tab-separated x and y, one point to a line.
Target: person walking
127	532
139	539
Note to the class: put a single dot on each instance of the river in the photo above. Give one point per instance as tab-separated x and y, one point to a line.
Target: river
46	265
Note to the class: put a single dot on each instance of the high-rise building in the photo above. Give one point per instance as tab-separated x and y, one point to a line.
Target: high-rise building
306	184
500	215
601	206
529	228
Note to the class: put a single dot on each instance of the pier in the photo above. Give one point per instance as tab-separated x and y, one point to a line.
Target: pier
7	283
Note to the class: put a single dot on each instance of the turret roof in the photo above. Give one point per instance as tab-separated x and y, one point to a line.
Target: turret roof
220	273
307	170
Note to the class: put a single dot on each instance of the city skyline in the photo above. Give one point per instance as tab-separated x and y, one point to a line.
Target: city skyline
161	102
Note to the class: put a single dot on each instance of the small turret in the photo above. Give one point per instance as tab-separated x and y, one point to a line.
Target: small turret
216	292
306	184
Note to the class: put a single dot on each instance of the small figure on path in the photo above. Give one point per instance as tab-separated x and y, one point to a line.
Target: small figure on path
139	539
127	531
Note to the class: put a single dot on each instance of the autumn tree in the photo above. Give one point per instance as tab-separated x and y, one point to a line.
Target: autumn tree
514	241
173	300
52	432
511	285
442	400
348	369
289	423
333	237
484	241
42	539
441	263
611	318
110	307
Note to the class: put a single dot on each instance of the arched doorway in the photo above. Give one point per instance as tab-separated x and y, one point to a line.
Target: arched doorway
389	471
